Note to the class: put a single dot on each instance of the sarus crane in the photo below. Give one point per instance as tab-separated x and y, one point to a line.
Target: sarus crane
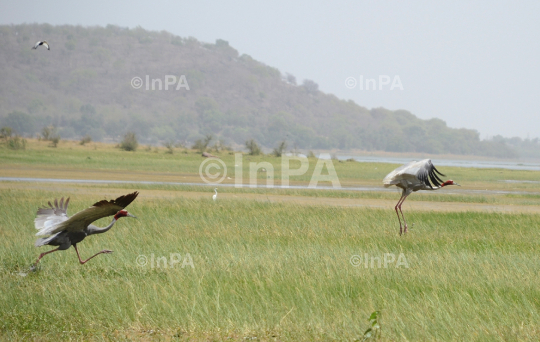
64	231
42	42
412	177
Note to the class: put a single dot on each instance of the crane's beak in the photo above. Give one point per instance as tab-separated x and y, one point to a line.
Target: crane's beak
130	215
457	184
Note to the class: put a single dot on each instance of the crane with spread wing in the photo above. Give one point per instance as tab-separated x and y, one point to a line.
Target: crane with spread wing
411	177
64	232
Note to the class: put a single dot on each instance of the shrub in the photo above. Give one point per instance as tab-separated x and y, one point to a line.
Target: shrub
199	145
278	151
170	147
16	143
202	144
54	140
5	132
50	133
253	148
129	142
86	139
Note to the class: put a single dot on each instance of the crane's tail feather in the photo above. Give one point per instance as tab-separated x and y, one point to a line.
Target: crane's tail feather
48	218
45	241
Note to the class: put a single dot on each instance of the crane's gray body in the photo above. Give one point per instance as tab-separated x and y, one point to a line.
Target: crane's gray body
66	239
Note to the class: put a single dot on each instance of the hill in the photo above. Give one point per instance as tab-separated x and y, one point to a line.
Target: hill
83	86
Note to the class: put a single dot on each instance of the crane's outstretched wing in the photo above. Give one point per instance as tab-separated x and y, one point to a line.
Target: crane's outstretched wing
428	172
82	219
47	218
423	170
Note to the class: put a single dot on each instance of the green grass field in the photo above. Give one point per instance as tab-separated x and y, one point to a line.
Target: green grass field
267	270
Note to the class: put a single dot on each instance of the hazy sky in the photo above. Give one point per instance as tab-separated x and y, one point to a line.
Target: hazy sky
472	64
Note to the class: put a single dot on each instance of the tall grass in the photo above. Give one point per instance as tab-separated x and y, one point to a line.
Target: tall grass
271	271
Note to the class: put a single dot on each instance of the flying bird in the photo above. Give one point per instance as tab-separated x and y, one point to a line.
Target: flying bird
215	195
64	231
42	42
412	177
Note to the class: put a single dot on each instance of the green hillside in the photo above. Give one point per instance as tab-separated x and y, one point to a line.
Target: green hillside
83	86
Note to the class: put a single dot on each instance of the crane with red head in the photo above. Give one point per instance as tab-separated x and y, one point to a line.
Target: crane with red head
64	232
411	177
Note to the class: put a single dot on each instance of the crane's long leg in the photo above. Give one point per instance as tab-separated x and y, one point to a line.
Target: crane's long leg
42	255
83	262
403	200
397	213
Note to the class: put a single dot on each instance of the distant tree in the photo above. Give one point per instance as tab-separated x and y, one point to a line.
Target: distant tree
253	148
180	144
207	140
48	133
222	43
199	145
5	132
210	117
70	45
175	40
310	86
291	79
129	142
87	109
202	144
20	122
35	106
278	151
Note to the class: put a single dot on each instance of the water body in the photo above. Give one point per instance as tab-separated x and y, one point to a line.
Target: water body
220	185
487	164
450	190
